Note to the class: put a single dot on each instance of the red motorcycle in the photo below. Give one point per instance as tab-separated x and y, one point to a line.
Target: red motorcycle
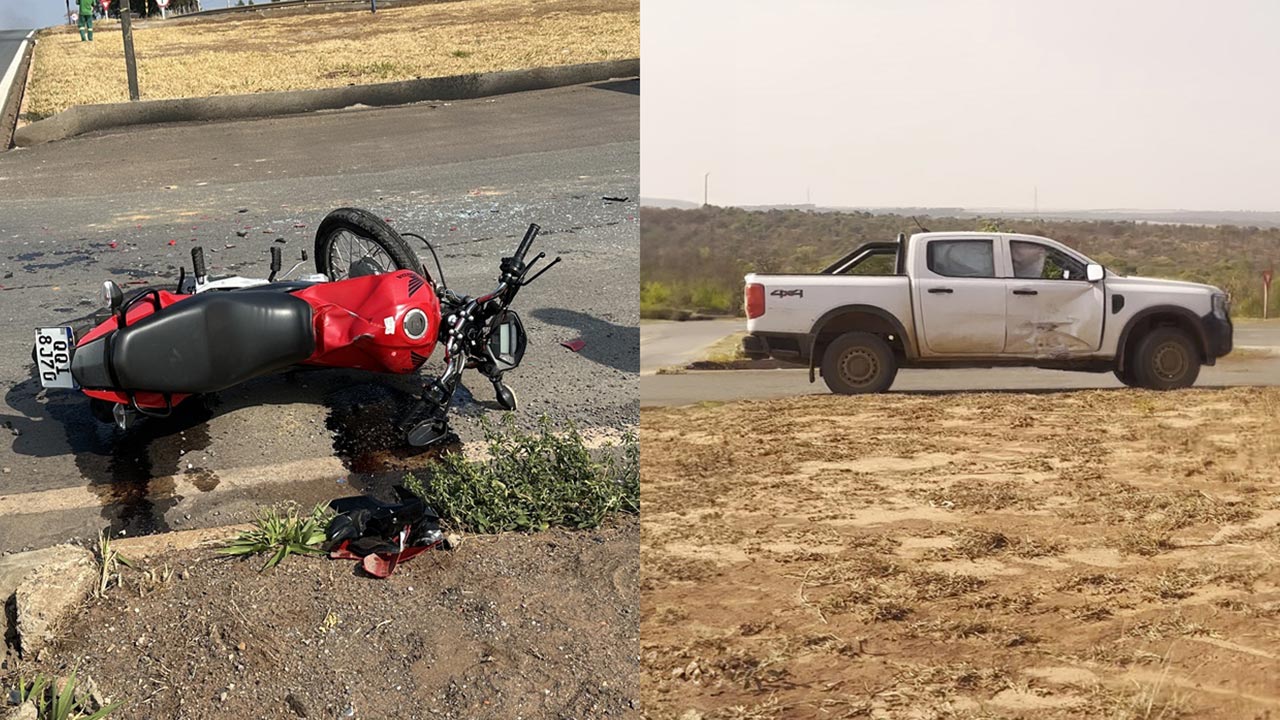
370	306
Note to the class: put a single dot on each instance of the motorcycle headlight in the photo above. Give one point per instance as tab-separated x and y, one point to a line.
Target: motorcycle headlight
1221	305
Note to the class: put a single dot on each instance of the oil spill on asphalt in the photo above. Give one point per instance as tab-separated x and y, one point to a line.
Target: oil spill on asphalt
132	472
136	482
365	422
73	259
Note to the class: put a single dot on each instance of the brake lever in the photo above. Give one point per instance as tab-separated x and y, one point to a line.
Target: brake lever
535	277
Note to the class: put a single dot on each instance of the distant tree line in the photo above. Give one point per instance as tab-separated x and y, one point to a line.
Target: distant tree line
695	259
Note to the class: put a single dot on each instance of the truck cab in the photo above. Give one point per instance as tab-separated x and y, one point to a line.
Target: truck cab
979	299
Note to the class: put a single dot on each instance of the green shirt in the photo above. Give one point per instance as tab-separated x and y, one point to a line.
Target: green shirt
86	7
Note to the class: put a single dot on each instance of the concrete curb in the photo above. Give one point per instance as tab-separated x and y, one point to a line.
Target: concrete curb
11	89
88	118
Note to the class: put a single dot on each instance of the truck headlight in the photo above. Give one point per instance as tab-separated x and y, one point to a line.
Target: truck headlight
1221	305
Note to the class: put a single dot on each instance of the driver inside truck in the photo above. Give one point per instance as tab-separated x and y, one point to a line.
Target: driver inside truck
1028	259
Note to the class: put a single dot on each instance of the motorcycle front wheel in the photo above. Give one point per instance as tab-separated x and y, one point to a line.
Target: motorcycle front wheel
351	243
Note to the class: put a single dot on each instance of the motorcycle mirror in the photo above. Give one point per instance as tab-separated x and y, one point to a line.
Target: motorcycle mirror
112	296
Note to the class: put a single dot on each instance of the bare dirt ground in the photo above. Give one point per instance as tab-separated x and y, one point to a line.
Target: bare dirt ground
248	54
533	626
1101	554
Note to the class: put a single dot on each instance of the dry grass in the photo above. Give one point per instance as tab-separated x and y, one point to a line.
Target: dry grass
297	52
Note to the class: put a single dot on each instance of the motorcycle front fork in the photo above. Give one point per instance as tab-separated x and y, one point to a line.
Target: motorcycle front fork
437	397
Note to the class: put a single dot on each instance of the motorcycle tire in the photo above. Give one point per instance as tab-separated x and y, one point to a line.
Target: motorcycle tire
370	229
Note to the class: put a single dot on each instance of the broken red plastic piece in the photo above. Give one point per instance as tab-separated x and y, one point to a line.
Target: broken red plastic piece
381	564
574	345
173	242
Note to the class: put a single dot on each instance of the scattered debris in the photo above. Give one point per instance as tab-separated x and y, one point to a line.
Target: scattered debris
575	345
242	233
615	199
382	535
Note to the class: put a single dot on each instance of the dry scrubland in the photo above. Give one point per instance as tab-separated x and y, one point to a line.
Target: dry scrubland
1103	554
310	50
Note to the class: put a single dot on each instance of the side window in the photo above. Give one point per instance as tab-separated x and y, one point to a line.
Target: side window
1033	261
962	258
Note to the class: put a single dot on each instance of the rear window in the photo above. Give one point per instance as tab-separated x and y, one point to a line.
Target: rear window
962	258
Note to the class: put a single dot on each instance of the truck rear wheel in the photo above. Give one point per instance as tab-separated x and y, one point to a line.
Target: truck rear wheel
1166	359
859	362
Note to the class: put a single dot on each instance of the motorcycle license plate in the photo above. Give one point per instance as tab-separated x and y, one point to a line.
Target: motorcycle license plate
53	357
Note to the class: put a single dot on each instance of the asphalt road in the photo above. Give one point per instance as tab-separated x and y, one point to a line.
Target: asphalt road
667	343
732	385
10	41
1257	334
469	176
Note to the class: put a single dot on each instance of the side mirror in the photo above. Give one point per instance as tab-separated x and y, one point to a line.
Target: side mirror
1093	272
112	296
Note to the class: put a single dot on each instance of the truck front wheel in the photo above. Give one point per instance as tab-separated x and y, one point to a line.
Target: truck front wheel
859	362
1165	359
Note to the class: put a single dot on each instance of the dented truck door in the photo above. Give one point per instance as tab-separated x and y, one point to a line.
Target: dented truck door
1052	311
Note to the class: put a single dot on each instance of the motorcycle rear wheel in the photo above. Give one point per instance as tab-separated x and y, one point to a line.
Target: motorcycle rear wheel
351	242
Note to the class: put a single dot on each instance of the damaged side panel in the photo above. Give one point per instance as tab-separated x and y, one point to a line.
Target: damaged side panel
1063	319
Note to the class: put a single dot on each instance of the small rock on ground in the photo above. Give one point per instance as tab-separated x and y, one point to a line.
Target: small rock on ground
51	592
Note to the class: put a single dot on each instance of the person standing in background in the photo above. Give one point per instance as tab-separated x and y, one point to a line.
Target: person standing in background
86	20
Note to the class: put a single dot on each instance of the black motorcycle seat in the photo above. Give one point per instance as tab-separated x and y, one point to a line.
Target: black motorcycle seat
203	344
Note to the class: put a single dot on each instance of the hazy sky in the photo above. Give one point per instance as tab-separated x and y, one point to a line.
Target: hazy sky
1136	104
31	13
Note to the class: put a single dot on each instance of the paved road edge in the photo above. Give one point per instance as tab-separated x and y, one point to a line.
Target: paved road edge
82	119
13	83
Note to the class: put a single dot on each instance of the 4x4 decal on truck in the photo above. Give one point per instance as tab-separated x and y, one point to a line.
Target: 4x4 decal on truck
787	293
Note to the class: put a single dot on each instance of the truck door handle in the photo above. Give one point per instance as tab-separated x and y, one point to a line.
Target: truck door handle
1025	292
938	291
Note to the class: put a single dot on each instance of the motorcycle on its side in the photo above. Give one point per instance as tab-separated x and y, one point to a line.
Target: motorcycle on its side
370	305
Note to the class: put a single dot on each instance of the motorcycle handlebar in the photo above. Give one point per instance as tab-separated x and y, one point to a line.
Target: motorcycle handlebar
529	235
197	261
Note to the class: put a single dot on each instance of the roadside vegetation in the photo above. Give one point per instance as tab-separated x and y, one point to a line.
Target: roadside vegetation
529	481
239	54
54	698
694	260
281	531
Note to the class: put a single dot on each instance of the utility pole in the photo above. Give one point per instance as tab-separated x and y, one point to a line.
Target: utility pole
70	21
130	64
704	188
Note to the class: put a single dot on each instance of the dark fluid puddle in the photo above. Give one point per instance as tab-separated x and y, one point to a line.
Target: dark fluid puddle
365	421
132	472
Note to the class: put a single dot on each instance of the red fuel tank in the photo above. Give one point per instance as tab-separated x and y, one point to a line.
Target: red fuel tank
385	323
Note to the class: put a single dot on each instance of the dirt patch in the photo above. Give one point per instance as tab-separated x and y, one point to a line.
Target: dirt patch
541	625
1088	554
308	51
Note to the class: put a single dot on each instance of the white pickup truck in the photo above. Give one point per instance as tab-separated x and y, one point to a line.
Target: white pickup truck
974	299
